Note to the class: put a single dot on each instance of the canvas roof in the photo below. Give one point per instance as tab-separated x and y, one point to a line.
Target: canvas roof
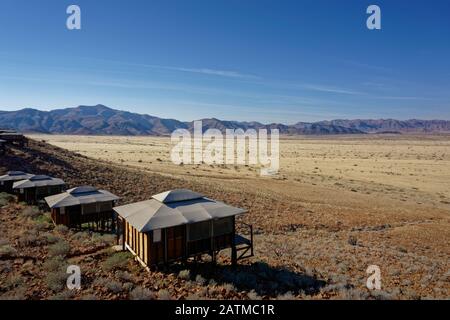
38	181
177	195
80	195
15	176
154	214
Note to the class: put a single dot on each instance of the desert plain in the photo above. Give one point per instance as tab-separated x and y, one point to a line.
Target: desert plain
338	205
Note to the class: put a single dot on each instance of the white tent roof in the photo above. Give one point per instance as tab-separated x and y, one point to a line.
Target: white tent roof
80	195
38	181
15	176
177	195
155	214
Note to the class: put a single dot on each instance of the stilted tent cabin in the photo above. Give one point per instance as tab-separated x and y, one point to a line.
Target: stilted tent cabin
7	180
178	224
14	138
36	188
84	206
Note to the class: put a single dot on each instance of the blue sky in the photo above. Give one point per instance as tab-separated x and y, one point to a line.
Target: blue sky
270	61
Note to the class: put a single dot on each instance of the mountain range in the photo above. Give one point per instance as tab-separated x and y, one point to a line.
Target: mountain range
102	120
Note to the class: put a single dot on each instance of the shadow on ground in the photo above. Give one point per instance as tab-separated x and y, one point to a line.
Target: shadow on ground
258	276
31	160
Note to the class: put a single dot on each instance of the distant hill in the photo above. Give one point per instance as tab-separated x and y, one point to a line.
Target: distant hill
102	120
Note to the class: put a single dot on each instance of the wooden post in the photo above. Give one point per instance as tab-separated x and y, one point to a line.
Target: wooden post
165	246
251	238
233	245
185	249
124	227
117	234
213	249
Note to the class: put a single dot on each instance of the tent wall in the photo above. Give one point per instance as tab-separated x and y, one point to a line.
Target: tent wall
33	195
76	216
172	244
7	186
138	242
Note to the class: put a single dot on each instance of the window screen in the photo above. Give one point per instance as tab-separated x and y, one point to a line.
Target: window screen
199	230
41	191
223	226
105	206
157	235
54	189
89	208
62	210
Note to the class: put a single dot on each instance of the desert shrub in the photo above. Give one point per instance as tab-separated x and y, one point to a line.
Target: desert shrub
103	240
6	266
31	212
61	229
81	236
118	260
286	296
381	295
229	287
128	286
200	280
184	274
51	238
164	294
352	240
203	292
353	294
402	250
44	219
56	281
100	282
252	295
212	282
29	238
65	295
55	264
7	251
114	286
193	296
43	226
140	293
60	248
13	281
89	297
16	294
125	276
5	199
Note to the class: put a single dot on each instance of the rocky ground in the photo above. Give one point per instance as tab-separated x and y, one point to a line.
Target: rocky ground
303	249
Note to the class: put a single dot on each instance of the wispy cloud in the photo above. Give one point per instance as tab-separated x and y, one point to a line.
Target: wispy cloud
366	66
401	98
331	89
207	71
